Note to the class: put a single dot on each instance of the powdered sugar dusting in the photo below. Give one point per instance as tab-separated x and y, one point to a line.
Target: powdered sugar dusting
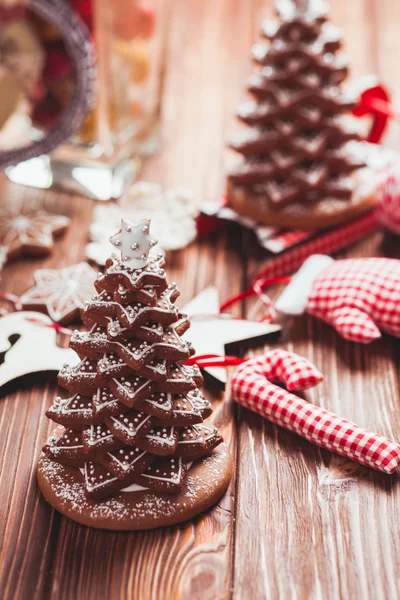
67	487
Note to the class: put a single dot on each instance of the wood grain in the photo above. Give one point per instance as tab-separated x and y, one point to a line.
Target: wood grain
297	522
324	524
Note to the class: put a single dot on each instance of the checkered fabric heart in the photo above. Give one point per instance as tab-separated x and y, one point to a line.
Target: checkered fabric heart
359	297
252	388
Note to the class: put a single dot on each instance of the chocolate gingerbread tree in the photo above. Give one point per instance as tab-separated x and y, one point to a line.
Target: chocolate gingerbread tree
297	170
133	413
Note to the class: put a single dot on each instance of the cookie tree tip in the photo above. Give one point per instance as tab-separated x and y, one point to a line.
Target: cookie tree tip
134	242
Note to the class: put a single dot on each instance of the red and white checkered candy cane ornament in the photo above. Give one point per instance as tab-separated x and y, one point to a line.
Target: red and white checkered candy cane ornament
252	388
388	207
359	297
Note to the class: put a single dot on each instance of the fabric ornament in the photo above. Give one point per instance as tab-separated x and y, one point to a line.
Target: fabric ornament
360	297
252	388
388	209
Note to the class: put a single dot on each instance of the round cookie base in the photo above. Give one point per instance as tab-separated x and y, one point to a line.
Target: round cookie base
321	215
205	483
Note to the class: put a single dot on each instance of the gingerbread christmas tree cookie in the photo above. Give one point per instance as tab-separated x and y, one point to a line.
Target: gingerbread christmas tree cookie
297	169
131	450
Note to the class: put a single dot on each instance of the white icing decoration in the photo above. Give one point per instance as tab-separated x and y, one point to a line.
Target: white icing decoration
134	242
94	435
134	487
91	487
131	393
126	465
156	436
127	429
67	447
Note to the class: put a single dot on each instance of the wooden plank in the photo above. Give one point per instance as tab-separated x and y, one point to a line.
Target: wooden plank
47	553
183	561
324	527
28	534
307	524
387	48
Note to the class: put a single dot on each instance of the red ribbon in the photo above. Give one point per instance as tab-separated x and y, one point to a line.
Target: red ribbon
375	101
51	325
215	360
257	289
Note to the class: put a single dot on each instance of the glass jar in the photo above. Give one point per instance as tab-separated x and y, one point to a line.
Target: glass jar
122	127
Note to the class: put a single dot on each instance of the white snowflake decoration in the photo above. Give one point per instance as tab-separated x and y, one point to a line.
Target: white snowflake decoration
61	293
134	242
171	212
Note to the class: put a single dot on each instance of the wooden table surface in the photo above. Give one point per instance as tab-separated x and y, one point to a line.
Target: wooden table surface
297	522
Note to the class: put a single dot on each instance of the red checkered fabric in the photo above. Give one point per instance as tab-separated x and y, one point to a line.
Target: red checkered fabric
296	372
286	239
359	298
252	389
326	243
388	207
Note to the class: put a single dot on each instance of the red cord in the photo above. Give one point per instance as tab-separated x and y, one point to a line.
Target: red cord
51	325
257	289
214	360
382	107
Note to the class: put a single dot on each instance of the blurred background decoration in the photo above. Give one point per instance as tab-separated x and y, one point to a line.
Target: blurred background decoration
40	75
172	213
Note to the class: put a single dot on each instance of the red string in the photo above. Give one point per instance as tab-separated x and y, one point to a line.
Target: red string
215	360
55	326
382	107
17	304
257	289
375	101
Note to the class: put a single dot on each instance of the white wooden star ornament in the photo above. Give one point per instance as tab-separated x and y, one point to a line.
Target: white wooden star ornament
134	242
211	332
35	350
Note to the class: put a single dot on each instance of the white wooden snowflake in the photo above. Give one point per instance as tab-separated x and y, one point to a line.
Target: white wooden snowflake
172	217
61	293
